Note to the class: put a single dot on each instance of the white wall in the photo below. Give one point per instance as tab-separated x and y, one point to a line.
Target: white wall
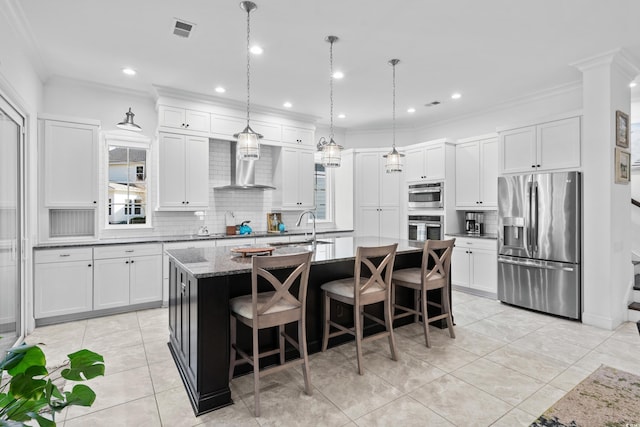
21	84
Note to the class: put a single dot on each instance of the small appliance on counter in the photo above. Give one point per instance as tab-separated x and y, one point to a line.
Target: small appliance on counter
474	223
244	228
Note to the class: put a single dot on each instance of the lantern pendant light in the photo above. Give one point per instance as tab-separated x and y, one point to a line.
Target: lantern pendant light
394	158
331	155
248	141
128	123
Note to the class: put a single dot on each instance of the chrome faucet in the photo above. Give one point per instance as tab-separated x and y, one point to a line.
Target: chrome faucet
312	214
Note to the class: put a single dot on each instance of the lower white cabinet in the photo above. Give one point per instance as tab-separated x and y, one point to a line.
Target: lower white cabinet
474	264
63	282
126	275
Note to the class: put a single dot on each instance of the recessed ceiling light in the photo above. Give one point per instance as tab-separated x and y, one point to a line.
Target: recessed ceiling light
411	110
456	96
256	50
129	71
632	84
220	89
338	75
287	104
342	116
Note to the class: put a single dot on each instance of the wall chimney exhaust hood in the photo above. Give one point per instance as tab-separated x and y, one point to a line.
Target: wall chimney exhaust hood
243	173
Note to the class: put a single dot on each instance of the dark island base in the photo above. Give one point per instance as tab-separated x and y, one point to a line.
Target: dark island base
199	325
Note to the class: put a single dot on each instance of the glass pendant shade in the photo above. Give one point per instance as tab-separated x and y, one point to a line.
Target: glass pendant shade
394	161
248	147
331	155
128	123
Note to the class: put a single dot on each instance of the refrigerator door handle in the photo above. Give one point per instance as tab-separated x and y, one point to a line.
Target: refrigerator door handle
549	265
534	234
528	221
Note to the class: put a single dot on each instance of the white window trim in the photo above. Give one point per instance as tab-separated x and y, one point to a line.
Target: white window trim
330	199
123	138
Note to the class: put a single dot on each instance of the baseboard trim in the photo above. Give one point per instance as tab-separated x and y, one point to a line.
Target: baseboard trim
96	313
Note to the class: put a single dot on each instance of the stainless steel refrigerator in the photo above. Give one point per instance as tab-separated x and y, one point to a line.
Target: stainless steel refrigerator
539	245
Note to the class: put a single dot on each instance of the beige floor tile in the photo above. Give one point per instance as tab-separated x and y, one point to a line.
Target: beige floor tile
123	359
447	358
503	383
155	333
460	403
165	376
541	400
464	316
538	342
106	325
116	389
570	378
628	331
114	340
500	330
576	333
534	365
458	297
153	317
406	412
137	413
594	359
355	394
405	374
475	342
514	418
157	351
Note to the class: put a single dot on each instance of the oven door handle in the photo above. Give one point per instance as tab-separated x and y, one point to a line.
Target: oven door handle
424	190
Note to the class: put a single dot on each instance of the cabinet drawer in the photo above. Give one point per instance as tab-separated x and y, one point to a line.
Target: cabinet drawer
470	242
127	251
63	255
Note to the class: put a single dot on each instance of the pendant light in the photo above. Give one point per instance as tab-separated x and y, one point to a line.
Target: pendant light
128	124
394	158
330	150
248	141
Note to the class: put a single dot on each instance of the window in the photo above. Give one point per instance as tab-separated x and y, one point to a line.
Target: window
127	186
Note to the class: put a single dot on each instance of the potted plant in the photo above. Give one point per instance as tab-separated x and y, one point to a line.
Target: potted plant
31	393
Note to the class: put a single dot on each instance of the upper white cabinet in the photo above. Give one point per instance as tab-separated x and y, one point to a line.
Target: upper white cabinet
477	174
425	163
294	173
377	195
183	172
70	159
224	127
182	118
542	147
296	135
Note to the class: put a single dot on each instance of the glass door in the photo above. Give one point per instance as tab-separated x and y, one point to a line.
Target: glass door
11	134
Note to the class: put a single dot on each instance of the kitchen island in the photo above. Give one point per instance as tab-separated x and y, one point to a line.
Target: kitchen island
201	283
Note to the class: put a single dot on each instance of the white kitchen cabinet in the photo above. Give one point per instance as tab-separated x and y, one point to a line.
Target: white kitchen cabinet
296	135
63	282
8	286
542	147
183	118
271	132
126	275
425	163
377	195
70	156
183	172
477	174
224	127
294	174
474	265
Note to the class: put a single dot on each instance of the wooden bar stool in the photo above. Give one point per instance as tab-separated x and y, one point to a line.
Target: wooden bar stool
423	279
360	291
271	309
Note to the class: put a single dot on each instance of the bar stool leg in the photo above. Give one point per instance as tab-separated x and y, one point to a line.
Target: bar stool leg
302	343
357	318
388	321
232	352
281	339
256	372
416	305
327	319
447	308
425	317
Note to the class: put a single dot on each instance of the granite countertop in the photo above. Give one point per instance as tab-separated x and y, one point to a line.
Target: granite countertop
220	261
181	238
474	236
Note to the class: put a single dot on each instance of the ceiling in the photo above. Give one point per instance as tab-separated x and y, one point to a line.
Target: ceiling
491	51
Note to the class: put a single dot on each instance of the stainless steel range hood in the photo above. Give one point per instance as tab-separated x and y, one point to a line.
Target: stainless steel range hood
243	173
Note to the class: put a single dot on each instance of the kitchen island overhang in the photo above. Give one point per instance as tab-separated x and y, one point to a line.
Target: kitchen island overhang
201	283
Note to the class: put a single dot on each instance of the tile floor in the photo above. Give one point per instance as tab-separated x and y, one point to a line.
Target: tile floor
505	367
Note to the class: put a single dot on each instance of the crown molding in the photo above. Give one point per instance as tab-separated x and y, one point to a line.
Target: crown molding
15	17
619	57
56	78
164	91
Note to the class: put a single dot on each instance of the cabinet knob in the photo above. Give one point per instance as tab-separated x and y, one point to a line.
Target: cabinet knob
88	265
126	262
187	202
480	202
94	202
537	166
183	125
131	261
533	166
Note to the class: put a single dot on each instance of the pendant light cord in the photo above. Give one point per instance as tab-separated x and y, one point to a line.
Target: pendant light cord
248	62
331	90
394	106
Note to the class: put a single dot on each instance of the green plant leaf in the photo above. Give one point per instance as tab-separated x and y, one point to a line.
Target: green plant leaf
80	395
20	409
25	358
42	421
11	423
84	365
24	385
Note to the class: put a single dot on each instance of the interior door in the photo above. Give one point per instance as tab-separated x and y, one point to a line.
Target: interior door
11	135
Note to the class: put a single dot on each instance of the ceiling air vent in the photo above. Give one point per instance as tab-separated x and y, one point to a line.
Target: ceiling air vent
182	28
432	104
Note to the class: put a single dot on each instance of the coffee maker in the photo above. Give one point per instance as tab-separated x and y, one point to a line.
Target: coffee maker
474	222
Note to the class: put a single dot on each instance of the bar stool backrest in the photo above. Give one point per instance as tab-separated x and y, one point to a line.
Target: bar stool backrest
380	273
438	254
